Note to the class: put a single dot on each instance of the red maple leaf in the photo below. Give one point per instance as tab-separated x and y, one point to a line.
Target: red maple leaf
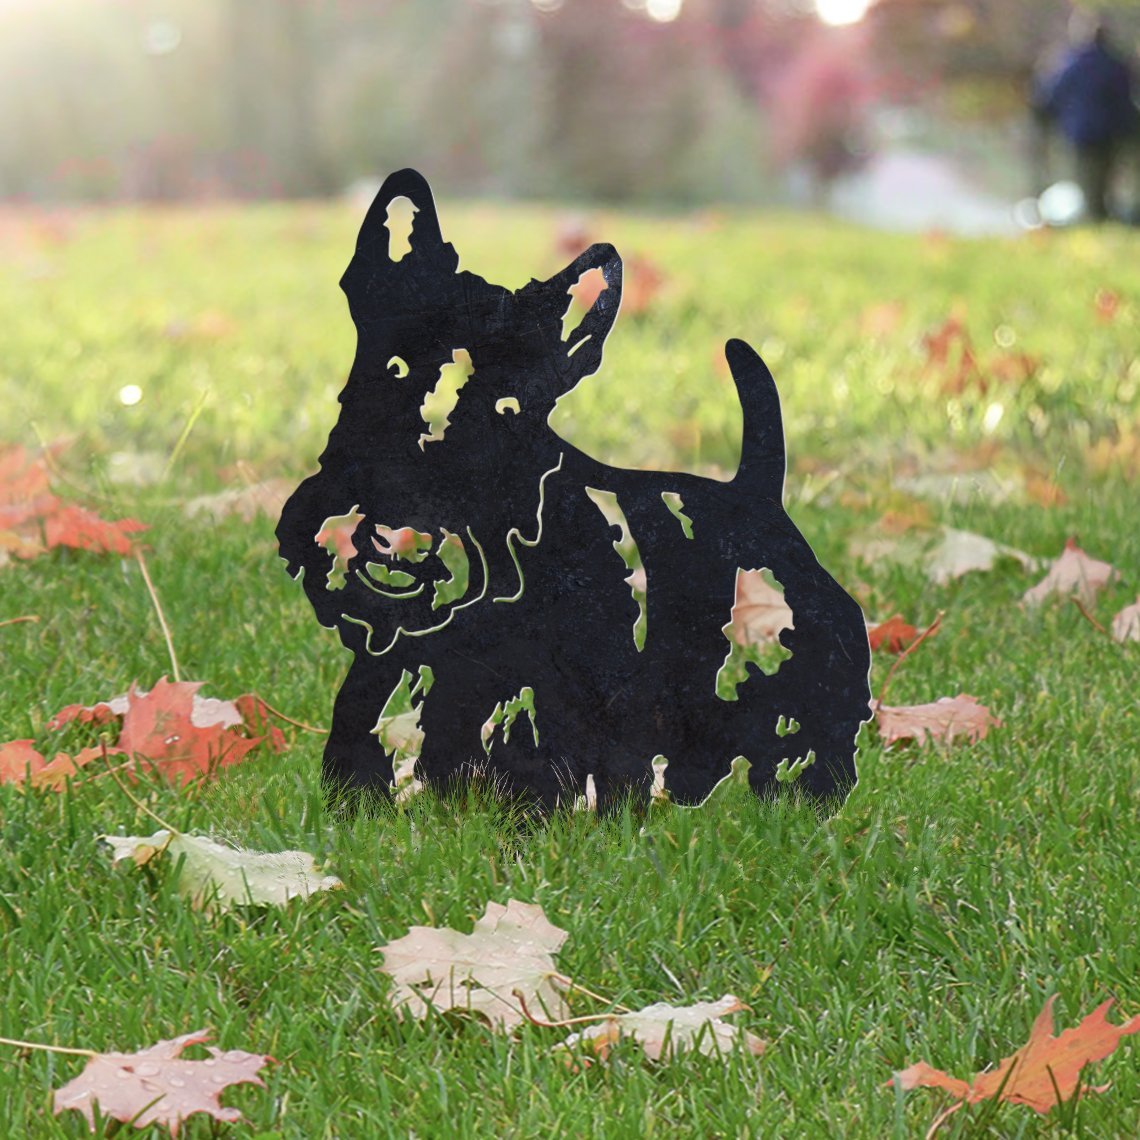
892	635
164	729
33	520
170	729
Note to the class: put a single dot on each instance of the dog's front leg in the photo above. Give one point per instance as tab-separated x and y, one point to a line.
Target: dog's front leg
355	766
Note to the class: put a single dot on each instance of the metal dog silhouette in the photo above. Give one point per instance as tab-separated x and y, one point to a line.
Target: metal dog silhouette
480	560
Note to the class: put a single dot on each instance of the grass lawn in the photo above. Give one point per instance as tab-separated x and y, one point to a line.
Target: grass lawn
929	919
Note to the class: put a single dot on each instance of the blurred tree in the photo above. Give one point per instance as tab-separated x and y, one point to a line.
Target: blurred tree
271	88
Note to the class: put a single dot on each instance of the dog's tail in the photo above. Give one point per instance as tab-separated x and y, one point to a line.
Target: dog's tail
762	458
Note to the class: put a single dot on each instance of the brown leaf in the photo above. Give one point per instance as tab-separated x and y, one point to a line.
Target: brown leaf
1043	490
1013	367
940	721
892	635
511	949
669	1030
950	351
642	282
759	612
1107	304
158	1086
33	520
1044	1070
1126	624
1073	573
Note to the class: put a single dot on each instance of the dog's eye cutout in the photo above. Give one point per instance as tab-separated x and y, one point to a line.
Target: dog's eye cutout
398	366
508	404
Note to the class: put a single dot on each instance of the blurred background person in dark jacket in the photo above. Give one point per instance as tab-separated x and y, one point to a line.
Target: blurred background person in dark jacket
1089	99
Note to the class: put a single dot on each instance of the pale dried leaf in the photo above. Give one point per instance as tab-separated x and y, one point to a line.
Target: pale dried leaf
138	849
944	553
405	778
214	875
759	612
941	720
158	1086
1073	573
668	1030
511	949
401	733
1126	624
960	551
246	503
959	488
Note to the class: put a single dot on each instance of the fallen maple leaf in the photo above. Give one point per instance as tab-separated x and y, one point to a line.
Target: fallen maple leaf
1107	304
1043	1072
1126	624
1074	572
961	551
214	875
642	281
1043	490
940	721
667	1030
159	1086
759	612
892	635
511	949
266	498
944	553
174	730
18	760
33	520
22	763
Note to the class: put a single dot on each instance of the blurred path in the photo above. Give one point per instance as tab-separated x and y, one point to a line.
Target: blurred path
902	189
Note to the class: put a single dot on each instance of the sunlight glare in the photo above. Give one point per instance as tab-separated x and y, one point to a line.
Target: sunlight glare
840	12
663	11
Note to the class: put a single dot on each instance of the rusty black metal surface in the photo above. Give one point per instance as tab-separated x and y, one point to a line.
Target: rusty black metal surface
546	610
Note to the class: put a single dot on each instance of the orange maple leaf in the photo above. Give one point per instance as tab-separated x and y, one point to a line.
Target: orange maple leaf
892	635
1042	1073
21	762
18	760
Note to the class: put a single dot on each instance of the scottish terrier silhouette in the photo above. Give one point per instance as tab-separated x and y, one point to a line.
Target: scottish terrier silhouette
479	551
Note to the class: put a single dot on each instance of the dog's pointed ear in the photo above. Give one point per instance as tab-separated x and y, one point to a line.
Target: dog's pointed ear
762	457
583	344
429	252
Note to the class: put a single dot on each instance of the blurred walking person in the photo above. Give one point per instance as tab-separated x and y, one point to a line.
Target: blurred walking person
1089	99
